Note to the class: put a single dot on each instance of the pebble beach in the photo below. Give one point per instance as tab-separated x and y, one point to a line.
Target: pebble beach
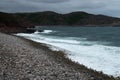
22	59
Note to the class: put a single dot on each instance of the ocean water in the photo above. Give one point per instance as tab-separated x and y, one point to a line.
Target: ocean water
95	47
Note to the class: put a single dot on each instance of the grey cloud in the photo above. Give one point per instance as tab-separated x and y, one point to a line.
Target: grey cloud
52	1
110	7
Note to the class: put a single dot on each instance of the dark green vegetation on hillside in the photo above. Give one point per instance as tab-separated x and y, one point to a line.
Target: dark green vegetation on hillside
17	22
74	18
12	23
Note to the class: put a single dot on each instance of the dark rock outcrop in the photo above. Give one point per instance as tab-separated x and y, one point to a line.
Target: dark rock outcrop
32	30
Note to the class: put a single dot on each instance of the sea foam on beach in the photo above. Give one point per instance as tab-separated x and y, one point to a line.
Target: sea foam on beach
93	54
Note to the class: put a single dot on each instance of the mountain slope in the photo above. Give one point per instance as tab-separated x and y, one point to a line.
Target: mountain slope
12	23
74	18
18	22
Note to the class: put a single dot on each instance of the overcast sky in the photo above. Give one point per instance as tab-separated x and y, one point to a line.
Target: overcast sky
106	7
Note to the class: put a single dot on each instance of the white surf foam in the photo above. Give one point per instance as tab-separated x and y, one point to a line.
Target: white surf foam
93	55
47	31
36	32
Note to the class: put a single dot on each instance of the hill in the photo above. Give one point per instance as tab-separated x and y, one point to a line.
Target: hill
74	18
12	23
18	22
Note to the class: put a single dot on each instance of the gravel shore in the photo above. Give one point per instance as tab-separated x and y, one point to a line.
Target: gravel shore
22	59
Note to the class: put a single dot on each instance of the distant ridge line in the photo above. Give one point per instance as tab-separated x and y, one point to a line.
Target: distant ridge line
73	18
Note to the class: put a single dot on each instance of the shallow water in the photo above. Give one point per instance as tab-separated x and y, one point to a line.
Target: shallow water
95	47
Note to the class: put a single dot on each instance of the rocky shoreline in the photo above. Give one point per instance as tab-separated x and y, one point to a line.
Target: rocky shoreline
22	59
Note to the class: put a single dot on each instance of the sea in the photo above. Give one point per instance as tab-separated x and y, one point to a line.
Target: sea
97	48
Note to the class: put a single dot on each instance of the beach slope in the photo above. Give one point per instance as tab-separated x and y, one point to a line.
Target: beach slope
22	59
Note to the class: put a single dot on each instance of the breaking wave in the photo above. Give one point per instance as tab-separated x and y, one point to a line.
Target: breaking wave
94	55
